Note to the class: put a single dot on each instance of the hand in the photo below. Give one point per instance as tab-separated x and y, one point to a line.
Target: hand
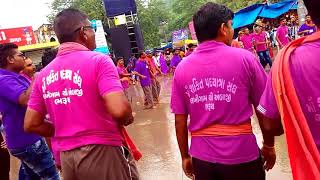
129	120
4	145
187	167
269	157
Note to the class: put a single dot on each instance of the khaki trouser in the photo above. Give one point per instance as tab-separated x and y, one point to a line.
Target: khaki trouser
98	162
147	90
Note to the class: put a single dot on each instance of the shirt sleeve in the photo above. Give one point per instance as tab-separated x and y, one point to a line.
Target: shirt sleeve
258	78
268	105
178	102
36	101
107	76
11	89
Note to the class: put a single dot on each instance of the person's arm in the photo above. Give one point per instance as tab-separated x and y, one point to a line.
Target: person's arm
277	38
35	122
258	81
24	97
110	88
118	107
181	121
138	74
182	134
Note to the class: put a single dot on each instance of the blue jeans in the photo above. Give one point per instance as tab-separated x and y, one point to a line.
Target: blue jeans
265	59
36	162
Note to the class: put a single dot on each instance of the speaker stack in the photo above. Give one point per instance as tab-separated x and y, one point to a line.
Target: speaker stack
126	38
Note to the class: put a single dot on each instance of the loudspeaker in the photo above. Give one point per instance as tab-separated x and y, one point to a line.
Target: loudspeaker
126	40
120	42
118	7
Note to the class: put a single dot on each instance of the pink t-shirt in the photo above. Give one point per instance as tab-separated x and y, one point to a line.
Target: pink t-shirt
305	72
125	83
220	87
247	42
283	35
70	89
260	38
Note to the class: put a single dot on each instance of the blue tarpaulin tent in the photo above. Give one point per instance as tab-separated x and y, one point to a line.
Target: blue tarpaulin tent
249	14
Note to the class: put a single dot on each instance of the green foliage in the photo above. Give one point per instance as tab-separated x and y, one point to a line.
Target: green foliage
93	8
158	18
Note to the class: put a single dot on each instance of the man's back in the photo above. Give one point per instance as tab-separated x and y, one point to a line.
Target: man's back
218	84
305	71
71	88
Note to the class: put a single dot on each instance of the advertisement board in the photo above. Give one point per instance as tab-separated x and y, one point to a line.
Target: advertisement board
101	40
21	36
180	35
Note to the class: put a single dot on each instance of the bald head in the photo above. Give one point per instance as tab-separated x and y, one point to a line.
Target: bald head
67	22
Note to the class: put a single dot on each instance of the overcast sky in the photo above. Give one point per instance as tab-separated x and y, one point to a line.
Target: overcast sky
19	13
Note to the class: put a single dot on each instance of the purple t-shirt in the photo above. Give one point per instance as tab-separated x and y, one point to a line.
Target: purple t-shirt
260	38
220	87
143	69
175	61
305	72
311	29
283	35
12	86
247	42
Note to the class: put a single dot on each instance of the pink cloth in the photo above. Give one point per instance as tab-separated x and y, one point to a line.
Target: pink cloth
260	38
70	89
305	72
220	87
125	81
283	35
247	42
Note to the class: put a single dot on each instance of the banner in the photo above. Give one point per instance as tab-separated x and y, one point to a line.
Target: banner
101	41
20	36
180	35
192	31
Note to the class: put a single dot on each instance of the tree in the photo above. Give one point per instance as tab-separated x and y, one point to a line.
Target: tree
152	17
93	8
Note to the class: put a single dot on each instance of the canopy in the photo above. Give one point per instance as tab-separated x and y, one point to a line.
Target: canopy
249	14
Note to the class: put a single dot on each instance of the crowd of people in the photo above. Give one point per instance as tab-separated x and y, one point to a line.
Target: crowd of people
263	38
71	116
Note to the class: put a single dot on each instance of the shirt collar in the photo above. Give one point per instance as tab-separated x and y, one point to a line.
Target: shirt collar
6	72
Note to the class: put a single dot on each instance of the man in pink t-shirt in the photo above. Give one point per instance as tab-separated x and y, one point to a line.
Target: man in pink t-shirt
283	33
247	40
82	93
217	92
261	44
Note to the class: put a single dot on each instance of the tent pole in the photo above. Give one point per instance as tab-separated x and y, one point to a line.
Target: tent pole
302	12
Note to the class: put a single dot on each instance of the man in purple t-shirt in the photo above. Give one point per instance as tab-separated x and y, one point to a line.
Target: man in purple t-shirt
283	33
305	73
143	71
216	86
308	27
31	149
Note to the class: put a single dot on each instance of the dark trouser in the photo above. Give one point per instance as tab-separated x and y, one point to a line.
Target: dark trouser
4	162
156	87
148	98
247	171
265	59
98	162
36	162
